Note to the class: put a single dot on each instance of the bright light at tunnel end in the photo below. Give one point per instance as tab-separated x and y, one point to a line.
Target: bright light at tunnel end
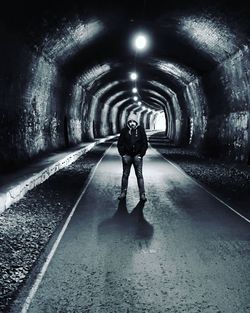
160	121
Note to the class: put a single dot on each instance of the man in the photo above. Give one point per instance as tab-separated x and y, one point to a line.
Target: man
132	146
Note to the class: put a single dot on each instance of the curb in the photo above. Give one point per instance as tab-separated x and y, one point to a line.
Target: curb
14	193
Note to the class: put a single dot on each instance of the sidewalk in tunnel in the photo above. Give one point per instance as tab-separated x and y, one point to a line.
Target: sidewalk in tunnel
13	186
181	251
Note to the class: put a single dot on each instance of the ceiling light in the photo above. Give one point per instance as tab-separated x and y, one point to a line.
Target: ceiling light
140	42
133	75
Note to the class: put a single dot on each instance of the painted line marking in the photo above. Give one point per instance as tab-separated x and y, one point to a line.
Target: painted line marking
201	186
40	276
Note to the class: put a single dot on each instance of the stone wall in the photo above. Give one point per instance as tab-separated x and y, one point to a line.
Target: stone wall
228	94
32	110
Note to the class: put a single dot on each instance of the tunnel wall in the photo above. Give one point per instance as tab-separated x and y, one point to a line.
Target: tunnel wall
103	116
84	114
228	93
88	118
169	122
32	119
76	110
197	113
177	116
43	111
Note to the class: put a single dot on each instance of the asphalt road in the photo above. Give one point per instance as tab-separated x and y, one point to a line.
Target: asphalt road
183	251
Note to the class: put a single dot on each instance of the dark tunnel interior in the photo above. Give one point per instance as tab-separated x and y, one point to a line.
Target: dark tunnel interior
79	229
65	66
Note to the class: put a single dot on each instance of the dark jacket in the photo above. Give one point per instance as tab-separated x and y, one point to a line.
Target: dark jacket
134	143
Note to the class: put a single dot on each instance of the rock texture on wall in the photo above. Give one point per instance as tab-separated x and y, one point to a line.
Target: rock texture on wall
227	90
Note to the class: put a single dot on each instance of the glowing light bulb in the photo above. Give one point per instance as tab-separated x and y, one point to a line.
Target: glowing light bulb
140	42
133	76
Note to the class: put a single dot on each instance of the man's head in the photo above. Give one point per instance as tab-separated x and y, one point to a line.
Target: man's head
132	124
132	120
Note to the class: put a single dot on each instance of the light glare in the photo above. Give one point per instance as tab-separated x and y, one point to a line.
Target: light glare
140	42
160	121
133	76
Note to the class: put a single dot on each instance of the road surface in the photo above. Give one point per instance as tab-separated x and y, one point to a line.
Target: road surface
182	251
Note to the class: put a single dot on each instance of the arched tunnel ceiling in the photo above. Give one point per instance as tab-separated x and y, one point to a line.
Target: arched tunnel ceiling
107	91
126	95
81	34
91	41
172	76
168	71
105	86
71	58
111	93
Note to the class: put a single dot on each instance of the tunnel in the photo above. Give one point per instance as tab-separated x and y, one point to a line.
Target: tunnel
65	76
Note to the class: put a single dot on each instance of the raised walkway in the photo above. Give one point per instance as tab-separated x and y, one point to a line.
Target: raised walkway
14	186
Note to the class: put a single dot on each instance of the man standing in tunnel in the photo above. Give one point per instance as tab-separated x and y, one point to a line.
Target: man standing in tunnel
132	146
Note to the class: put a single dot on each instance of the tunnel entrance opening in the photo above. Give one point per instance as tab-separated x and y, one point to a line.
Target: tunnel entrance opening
66	133
160	122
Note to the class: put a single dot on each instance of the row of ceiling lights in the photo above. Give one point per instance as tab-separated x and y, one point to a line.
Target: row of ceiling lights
140	43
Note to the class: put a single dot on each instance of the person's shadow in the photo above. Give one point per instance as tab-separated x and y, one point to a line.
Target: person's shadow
124	223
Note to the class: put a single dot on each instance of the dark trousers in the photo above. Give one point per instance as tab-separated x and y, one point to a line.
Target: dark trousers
127	161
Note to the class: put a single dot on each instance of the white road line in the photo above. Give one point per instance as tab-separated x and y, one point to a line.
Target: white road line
40	276
200	185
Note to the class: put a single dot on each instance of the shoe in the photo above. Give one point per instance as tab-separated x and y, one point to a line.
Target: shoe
143	197
122	196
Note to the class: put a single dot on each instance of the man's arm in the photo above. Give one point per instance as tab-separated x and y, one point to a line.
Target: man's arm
120	143
144	142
